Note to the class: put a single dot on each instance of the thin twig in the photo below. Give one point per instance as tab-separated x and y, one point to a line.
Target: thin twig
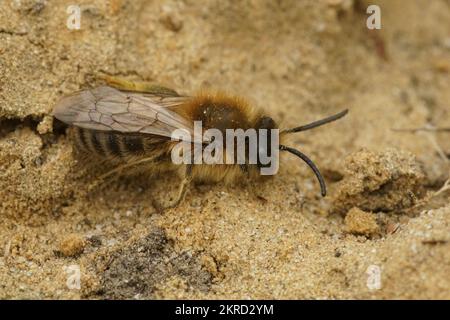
426	128
437	147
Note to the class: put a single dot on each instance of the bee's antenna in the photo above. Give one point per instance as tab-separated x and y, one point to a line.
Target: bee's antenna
311	164
317	123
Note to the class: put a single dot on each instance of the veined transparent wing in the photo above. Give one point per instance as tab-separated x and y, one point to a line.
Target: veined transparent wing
108	109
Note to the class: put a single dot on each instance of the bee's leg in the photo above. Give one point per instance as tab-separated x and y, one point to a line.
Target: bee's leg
254	190
117	171
181	191
250	183
244	169
146	87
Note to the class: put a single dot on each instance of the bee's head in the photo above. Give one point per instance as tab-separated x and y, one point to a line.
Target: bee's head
268	124
265	122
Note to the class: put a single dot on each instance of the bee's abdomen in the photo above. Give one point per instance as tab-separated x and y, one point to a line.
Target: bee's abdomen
111	144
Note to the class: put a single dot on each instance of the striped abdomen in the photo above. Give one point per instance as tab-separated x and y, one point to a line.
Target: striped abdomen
111	144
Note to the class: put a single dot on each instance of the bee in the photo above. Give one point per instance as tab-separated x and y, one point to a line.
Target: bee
131	124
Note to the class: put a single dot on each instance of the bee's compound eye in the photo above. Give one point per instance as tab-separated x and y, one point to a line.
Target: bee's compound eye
264	146
265	123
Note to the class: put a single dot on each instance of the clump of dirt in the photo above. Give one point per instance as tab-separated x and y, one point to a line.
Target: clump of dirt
361	222
379	181
72	245
137	270
32	175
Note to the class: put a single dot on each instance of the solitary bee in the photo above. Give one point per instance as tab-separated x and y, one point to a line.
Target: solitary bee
132	123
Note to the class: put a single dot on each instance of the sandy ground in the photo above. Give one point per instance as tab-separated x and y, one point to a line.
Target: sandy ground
298	60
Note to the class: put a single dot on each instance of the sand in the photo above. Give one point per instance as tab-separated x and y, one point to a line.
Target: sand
382	233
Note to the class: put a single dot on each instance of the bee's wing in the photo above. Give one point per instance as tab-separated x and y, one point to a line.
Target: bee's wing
108	109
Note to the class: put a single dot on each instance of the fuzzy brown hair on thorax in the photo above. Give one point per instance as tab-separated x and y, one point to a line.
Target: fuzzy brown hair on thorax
219	111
